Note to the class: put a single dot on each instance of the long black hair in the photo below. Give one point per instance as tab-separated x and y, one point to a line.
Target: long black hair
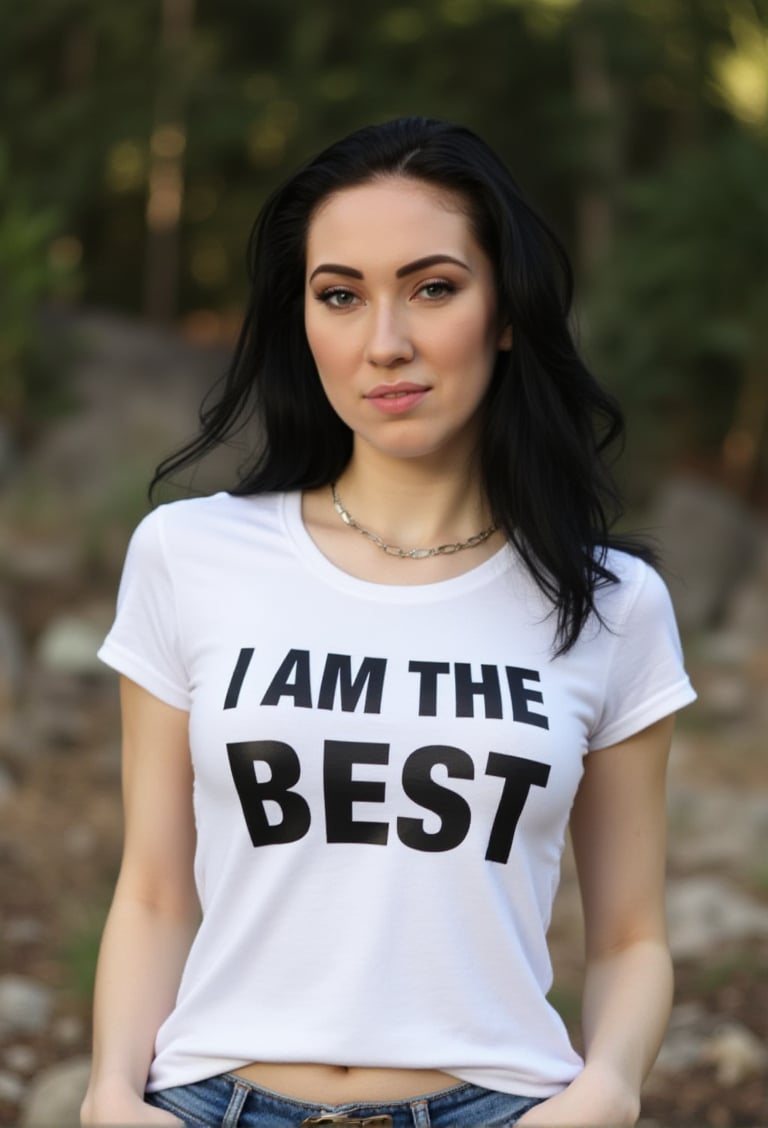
547	424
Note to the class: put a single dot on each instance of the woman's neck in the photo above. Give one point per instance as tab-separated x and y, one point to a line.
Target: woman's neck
412	504
409	505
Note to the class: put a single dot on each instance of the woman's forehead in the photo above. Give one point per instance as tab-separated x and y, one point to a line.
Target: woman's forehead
387	216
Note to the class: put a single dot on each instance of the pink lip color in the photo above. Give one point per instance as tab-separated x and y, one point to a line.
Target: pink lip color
396	399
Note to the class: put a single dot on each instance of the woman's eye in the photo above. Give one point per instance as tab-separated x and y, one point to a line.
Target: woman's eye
338	298
433	290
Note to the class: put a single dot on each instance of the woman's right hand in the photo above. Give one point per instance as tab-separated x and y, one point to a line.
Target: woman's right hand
123	1106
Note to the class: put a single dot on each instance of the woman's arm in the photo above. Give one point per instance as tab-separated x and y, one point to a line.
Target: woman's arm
618	827
154	912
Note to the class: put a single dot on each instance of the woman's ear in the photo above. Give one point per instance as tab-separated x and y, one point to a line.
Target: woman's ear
505	339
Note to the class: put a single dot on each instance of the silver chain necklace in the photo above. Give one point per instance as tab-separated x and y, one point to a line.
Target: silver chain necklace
407	553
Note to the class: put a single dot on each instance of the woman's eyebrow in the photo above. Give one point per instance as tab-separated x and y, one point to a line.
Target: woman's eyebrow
429	260
401	272
336	268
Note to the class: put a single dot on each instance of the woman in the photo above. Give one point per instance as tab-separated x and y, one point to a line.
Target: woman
385	671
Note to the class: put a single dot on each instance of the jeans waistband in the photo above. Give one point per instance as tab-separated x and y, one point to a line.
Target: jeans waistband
229	1101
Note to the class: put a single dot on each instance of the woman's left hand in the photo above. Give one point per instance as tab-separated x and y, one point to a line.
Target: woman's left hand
594	1097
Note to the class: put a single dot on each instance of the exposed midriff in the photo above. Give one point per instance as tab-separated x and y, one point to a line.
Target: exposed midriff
338	1084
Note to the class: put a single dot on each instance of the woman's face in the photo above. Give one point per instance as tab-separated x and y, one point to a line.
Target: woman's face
401	317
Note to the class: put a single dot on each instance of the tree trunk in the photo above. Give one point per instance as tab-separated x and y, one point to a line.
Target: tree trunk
598	104
166	168
742	445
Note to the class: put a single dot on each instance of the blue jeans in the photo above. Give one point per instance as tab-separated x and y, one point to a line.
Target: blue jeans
229	1101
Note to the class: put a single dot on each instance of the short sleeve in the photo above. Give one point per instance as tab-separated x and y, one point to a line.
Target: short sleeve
646	679
144	642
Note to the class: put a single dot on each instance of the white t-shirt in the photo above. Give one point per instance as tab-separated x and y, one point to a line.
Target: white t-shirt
383	779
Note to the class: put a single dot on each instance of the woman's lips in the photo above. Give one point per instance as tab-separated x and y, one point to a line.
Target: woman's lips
395	399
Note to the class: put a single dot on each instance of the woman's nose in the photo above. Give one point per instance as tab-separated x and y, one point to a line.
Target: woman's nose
389	342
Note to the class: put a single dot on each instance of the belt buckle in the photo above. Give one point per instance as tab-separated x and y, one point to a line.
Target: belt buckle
328	1119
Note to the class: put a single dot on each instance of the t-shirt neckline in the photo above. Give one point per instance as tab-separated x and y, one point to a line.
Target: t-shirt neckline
311	557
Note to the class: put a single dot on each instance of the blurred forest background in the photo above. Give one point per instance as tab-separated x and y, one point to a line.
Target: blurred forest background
137	142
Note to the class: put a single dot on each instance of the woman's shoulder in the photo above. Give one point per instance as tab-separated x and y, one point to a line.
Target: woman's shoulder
189	527
636	590
195	514
628	568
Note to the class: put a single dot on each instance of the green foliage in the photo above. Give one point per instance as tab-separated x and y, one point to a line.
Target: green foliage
79	953
758	879
566	1000
715	974
261	86
629	105
681	309
29	388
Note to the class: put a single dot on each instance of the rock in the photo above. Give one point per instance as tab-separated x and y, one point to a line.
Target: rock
736	1053
23	930
69	644
55	1096
715	826
20	1059
748	610
11	1088
7	786
57	711
681	1049
710	542
697	1038
11	672
25	1006
139	389
68	1030
80	841
708	912
724	697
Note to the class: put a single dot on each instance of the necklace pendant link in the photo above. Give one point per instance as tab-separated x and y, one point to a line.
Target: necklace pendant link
407	553
343	514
